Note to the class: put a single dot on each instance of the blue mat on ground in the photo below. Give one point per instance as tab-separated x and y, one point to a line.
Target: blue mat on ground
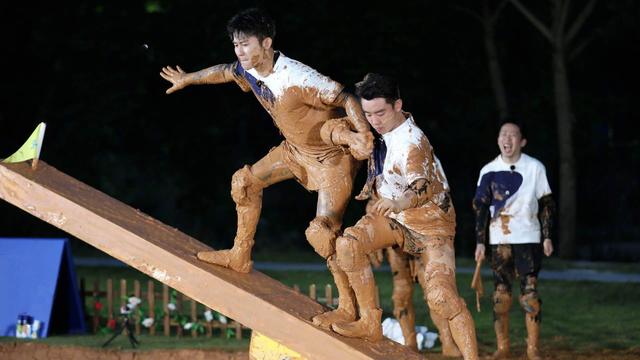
37	278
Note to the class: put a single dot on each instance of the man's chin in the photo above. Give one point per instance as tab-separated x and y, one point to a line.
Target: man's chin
246	66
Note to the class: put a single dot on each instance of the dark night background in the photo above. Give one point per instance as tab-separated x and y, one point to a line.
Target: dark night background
83	68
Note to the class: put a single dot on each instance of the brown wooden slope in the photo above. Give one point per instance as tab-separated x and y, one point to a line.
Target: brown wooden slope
168	255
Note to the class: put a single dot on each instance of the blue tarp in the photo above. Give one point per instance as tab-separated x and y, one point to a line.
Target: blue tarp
37	278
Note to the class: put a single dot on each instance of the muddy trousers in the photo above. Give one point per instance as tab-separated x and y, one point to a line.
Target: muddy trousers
246	191
403	266
375	232
507	261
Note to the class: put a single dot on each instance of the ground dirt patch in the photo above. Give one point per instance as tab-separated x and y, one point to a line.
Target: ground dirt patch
24	351
30	350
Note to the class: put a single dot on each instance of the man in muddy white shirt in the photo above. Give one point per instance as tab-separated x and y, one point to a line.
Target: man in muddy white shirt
413	212
324	132
513	192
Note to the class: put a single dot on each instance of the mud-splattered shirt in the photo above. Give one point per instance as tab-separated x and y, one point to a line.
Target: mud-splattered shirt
512	191
410	158
298	98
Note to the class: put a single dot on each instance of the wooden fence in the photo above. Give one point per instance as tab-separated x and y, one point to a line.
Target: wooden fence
96	300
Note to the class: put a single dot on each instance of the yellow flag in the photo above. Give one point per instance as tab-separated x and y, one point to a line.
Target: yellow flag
31	148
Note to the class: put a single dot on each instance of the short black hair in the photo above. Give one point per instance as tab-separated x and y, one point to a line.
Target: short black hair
516	122
252	22
375	85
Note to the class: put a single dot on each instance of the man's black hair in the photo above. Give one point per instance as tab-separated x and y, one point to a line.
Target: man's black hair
252	22
375	85
516	122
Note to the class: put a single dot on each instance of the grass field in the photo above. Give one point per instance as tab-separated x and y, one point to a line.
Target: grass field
577	316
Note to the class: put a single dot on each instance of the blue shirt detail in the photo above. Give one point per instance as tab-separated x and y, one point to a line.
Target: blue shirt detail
498	187
259	88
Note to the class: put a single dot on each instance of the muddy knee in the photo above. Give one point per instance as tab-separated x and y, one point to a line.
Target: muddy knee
529	300
350	252
246	188
501	300
442	297
321	236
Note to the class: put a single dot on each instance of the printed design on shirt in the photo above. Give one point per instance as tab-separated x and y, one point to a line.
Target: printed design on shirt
259	88
503	185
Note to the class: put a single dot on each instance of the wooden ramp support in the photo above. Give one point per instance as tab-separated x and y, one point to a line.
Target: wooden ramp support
168	255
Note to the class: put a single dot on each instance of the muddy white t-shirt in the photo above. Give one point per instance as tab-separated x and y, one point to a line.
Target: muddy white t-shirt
298	98
409	157
513	191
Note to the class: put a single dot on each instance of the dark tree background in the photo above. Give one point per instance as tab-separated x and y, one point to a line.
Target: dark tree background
90	69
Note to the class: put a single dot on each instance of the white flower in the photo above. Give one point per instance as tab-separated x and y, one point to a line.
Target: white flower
188	326
133	302
222	319
171	306
208	315
147	322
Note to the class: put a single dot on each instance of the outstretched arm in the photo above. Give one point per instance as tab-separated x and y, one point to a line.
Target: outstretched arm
212	75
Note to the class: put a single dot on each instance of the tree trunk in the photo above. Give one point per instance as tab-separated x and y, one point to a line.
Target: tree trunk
567	191
495	71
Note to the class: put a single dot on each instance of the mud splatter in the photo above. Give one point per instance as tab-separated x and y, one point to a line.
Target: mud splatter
504	223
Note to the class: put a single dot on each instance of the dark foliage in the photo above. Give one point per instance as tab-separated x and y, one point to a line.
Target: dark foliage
90	70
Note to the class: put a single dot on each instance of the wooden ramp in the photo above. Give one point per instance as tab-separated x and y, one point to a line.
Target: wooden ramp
168	255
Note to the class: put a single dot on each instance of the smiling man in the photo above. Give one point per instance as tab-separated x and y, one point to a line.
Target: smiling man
411	210
324	133
514	193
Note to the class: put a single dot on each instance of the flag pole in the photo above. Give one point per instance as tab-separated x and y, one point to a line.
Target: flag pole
34	162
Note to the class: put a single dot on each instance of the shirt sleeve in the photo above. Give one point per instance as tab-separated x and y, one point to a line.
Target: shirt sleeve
419	163
542	184
481	203
239	77
321	90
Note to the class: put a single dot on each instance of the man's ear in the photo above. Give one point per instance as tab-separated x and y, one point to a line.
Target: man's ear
267	42
397	105
523	142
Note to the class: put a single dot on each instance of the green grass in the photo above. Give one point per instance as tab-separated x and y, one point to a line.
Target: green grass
578	316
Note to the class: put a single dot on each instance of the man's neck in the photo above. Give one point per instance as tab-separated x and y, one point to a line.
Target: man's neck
511	159
400	118
266	66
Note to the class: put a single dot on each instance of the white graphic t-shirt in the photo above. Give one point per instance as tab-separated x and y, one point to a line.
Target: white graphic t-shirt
513	191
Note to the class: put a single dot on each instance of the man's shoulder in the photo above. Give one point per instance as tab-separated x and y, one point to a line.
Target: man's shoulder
296	73
409	133
532	162
491	165
287	64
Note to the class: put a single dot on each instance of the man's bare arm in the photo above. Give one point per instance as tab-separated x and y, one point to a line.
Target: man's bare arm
354	112
360	141
416	195
180	79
